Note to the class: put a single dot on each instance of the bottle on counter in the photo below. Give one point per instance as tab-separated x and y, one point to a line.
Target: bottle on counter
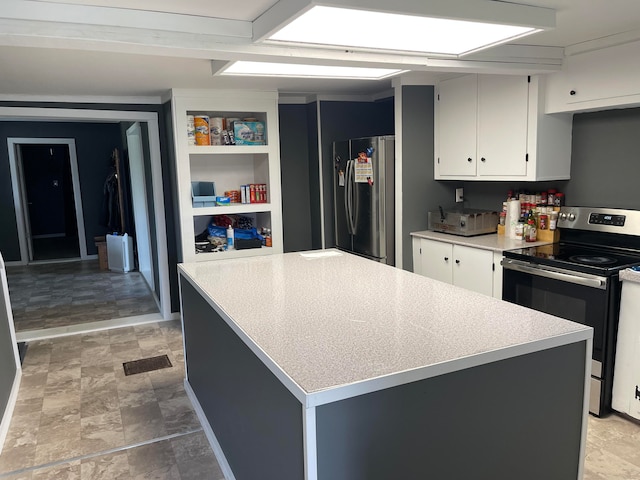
520	229
553	220
230	239
532	231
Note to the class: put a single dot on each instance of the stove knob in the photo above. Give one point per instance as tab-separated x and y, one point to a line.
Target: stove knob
563	216
572	217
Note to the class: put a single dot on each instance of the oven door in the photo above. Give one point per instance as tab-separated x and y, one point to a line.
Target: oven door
575	296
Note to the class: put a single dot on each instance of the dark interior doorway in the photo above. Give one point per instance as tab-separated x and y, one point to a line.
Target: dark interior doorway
49	194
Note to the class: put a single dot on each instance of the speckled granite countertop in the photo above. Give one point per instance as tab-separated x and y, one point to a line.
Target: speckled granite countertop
492	241
629	275
331	325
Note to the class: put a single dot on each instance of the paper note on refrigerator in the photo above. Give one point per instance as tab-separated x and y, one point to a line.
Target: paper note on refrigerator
363	169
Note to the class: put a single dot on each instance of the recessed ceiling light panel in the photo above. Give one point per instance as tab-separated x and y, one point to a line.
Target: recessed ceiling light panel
343	27
302	70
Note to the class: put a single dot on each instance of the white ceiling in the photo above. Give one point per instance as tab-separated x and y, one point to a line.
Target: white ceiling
52	52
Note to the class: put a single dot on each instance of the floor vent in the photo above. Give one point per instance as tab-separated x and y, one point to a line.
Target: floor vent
146	365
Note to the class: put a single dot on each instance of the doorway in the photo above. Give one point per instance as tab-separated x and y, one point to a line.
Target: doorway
46	177
154	193
50	214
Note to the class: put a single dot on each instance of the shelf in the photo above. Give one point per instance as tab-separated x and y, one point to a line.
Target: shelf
227	166
237	209
228	149
249	252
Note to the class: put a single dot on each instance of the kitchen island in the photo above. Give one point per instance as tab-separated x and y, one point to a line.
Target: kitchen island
324	365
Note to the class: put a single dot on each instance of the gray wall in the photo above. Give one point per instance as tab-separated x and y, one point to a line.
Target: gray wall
419	191
605	166
7	359
314	175
94	144
294	167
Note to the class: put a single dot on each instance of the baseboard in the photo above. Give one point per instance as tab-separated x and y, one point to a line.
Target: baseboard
32	335
11	404
208	431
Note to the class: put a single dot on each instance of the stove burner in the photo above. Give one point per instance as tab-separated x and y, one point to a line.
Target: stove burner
593	259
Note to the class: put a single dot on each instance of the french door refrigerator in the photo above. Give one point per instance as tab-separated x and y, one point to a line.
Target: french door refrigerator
363	186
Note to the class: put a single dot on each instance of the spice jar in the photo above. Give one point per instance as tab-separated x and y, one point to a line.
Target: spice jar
503	218
532	232
559	200
520	229
553	220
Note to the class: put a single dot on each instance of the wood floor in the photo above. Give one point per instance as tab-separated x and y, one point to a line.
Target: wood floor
72	293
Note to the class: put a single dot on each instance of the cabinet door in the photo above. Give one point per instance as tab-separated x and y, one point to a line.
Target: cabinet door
497	275
436	260
473	269
456	113
502	125
417	255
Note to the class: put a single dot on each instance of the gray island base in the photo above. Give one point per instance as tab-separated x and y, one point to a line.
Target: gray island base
326	366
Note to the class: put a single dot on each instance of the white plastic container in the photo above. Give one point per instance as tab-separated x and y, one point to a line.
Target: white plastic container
230	239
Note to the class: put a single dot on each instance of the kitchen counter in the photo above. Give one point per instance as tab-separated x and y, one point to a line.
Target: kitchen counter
492	241
327	339
629	275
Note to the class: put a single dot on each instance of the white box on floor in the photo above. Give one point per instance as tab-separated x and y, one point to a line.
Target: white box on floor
120	253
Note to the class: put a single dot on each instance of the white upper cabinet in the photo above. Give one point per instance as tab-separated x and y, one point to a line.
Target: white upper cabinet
596	80
492	127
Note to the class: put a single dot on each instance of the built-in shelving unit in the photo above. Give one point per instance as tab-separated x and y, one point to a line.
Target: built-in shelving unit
228	166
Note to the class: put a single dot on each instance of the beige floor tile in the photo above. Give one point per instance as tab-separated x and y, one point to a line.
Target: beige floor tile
135	390
67	471
106	467
58	425
150	458
13	459
102	432
179	416
195	459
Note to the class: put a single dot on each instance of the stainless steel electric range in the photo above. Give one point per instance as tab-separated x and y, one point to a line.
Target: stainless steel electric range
577	279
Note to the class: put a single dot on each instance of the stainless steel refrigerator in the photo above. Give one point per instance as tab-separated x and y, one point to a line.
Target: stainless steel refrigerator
363	192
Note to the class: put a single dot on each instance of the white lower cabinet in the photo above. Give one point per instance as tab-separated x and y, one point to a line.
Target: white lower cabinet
467	267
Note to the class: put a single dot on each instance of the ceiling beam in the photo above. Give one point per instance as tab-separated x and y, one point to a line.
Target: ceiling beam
119	17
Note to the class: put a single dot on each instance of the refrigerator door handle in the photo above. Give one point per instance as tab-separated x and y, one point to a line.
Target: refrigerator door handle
350	196
347	195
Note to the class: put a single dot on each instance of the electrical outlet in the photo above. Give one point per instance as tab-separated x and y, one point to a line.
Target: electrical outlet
459	195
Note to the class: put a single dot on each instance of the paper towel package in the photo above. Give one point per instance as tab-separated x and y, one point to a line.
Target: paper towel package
513	215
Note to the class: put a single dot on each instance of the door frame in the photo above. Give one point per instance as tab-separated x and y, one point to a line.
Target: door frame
20	194
117	116
140	205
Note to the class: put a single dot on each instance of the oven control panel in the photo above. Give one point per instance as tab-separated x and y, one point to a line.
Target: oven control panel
607	219
610	220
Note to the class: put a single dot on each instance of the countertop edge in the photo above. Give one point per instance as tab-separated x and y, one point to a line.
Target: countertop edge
490	241
341	392
629	275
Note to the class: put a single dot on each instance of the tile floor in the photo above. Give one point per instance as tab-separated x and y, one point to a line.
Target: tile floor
64	294
79	417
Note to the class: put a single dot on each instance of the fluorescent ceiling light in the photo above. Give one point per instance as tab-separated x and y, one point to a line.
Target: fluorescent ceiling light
343	27
302	70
